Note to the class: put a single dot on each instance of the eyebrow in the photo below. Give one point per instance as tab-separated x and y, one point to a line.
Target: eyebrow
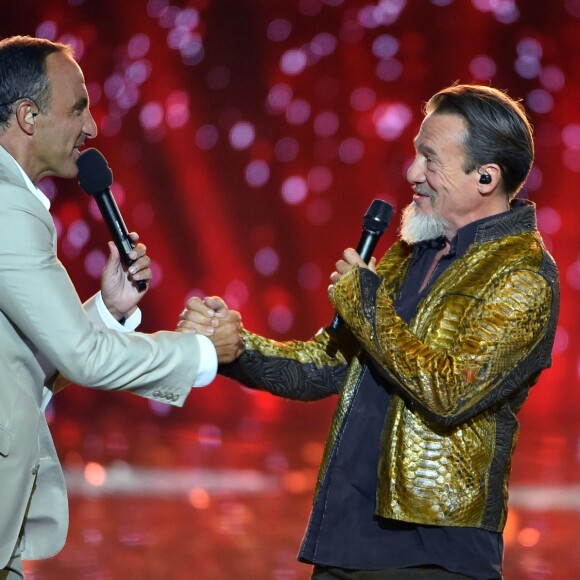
81	104
425	149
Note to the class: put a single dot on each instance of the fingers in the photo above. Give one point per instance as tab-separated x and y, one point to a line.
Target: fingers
217	304
350	258
140	269
204	316
185	326
225	333
198	319
138	251
204	312
199	308
229	330
211	317
228	338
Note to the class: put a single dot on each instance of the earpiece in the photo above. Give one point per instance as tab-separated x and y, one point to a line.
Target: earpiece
485	178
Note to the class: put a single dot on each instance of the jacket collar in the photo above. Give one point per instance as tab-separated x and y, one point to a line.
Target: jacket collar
519	219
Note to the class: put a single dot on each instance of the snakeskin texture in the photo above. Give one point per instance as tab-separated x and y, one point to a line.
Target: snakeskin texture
300	370
477	344
460	372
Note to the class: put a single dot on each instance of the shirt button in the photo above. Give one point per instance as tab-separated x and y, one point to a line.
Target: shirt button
35	469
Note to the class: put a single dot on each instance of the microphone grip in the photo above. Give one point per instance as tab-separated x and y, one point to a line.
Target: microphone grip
118	230
366	247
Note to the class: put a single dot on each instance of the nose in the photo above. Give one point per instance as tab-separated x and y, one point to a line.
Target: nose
416	172
90	126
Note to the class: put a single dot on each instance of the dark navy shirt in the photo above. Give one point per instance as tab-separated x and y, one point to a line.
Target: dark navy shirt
343	530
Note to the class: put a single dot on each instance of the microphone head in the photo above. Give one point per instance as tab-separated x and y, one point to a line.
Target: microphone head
377	217
94	175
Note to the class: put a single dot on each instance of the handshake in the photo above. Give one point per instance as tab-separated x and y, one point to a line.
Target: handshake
211	317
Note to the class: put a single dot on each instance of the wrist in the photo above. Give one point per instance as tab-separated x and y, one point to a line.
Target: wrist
115	312
119	315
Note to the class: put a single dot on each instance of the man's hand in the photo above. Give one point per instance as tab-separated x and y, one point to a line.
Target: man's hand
118	288
212	318
350	258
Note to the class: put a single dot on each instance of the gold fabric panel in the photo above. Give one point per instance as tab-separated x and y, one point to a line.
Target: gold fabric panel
476	325
322	350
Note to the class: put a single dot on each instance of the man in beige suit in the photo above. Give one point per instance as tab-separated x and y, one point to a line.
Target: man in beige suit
44	328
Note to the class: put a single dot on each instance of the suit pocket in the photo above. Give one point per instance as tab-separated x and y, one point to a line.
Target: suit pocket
5	441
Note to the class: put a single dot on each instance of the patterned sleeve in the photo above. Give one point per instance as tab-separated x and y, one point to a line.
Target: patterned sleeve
304	371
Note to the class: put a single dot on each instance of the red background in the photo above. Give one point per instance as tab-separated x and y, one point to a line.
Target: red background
196	100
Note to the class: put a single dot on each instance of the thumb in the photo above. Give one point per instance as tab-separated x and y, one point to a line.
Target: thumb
217	304
113	251
114	258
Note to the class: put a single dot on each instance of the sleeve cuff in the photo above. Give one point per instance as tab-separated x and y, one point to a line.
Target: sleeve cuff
208	362
131	323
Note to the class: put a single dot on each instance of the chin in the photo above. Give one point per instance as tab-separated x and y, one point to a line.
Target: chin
68	171
418	225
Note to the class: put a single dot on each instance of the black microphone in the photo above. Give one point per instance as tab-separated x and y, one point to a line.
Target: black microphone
95	178
375	222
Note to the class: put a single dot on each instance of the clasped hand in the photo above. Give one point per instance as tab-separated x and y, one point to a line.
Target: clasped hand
211	317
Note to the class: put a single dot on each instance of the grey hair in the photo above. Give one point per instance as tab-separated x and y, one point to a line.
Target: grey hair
498	130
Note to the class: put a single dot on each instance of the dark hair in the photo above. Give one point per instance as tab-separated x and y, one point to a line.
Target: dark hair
498	130
23	73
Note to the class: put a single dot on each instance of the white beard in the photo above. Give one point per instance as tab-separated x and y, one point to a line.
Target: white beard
417	226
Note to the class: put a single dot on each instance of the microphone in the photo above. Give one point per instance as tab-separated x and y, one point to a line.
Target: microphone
375	222
95	178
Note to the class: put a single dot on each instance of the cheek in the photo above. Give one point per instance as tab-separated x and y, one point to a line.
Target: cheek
436	180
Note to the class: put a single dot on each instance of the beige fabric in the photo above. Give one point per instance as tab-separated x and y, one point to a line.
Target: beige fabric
43	327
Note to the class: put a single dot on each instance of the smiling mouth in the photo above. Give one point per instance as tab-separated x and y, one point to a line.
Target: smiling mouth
421	194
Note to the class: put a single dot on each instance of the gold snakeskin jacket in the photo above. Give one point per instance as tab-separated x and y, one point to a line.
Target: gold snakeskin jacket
459	373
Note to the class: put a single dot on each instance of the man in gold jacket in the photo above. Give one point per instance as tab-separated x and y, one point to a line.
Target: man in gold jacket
442	341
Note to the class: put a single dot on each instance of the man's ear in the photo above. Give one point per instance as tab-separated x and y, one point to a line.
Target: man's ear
489	177
26	113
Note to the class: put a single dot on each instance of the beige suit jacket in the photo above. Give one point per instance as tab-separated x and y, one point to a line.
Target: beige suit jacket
44	327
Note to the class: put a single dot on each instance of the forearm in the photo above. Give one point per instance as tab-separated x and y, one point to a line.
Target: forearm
304	371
